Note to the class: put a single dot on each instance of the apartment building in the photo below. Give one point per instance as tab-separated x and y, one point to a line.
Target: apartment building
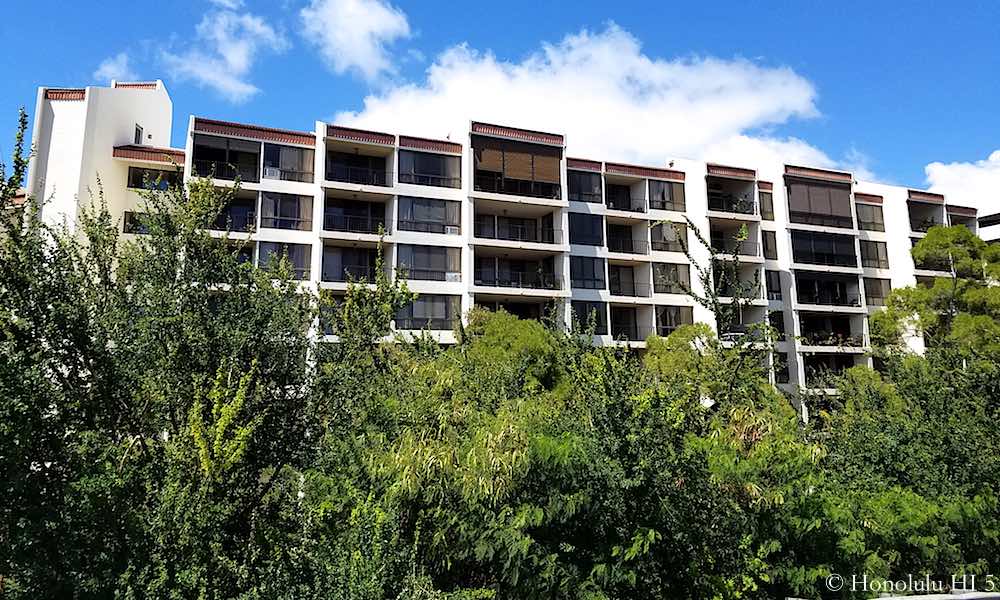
505	218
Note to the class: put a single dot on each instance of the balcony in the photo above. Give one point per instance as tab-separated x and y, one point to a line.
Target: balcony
722	201
827	298
830	338
414	323
236	217
350	273
627	245
931	264
358	175
518	280
517	233
630	289
924	224
428	226
732	246
498	184
352	224
432	180
227	171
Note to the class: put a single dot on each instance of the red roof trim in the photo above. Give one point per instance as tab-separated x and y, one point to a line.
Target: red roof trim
149	153
267	134
360	135
406	141
869	198
523	135
136	85
66	94
583	164
731	172
812	173
637	171
967	211
765	186
918	196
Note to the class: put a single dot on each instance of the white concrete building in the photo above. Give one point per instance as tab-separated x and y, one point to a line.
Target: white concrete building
504	218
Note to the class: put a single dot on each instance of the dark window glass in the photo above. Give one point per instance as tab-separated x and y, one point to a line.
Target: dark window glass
776	319
773	284
286	211
299	255
827	289
876	291
357	168
587	272
766	206
430	311
619	197
770	245
870	217
289	163
621	238
430	215
586	229
625	324
669	318
426	168
153	179
666	195
815	203
816	248
584	311
781	372
353	216
239	214
226	158
138	135
874	254
430	262
135	222
584	186
349	264
671	278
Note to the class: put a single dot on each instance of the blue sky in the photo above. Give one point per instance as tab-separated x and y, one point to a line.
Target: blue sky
883	88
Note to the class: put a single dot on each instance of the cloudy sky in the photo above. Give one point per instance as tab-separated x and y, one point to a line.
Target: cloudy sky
904	93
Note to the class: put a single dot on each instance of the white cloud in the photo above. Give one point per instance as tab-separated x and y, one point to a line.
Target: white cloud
228	4
115	67
354	34
611	100
227	46
975	184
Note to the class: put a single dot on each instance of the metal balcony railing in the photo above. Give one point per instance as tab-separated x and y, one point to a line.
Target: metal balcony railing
350	273
532	281
496	183
630	289
628	245
413	323
358	175
636	205
235	220
227	171
627	331
519	233
729	246
808	218
828	299
432	180
288	174
818	258
727	202
432	274
655	204
580	196
923	224
335	222
829	338
275	222
429	226
588	283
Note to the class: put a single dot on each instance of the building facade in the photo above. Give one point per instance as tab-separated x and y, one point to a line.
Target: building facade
504	218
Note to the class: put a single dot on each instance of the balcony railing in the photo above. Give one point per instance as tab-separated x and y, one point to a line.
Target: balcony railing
632	290
636	205
531	281
288	174
923	224
433	275
828	299
628	245
667	245
730	246
588	283
358	175
350	273
353	224
274	222
809	218
655	204
627	331
434	180
929	264
829	338
227	171
426	323
492	182
579	196
833	260
235	220
520	233
727	202
428	226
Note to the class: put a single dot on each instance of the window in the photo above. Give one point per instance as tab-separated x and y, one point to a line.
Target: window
876	291
153	179
587	273
776	319
781	374
622	238
583	312
353	216
816	248
509	167
874	255
289	163
426	168
671	279
586	229
349	264
584	186
870	217
766	206
135	222
625	323
430	311
225	158
666	195
669	237
622	282
432	263
669	318
515	273
138	135
772	280
770	245
828	289
619	197
286	211
816	203
356	168
430	215
239	214
299	255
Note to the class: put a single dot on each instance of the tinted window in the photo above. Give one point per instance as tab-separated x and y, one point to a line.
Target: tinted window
586	229
425	168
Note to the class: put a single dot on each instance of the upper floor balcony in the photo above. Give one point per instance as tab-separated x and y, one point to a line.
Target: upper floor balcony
731	190
358	169
354	216
514	166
